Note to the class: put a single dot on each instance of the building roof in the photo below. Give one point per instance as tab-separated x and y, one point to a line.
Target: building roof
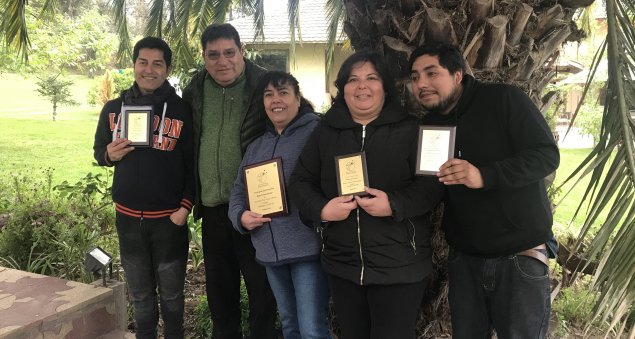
313	23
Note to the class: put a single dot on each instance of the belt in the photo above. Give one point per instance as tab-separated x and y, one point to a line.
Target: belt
534	253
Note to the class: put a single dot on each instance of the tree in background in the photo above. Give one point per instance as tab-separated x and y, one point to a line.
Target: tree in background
83	42
56	91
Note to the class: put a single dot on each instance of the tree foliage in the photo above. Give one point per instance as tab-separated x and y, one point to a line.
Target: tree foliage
84	44
56	91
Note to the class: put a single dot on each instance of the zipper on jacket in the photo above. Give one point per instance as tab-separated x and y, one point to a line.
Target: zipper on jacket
359	229
220	137
275	145
363	136
413	241
273	242
321	231
361	256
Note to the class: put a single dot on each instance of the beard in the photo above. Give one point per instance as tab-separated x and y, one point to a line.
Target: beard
446	103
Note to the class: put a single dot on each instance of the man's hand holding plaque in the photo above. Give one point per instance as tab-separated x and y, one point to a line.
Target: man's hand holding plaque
266	195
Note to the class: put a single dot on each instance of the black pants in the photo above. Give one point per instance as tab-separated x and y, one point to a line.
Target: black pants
376	311
227	254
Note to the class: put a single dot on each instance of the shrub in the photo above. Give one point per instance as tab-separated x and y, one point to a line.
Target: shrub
48	231
195	252
203	325
110	85
574	305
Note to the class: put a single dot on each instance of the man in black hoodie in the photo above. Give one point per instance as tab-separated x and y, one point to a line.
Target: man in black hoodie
497	216
153	190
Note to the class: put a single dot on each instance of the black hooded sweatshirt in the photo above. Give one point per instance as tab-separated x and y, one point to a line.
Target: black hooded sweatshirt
151	182
502	133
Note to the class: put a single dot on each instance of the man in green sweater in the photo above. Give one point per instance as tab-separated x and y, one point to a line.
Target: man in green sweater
226	119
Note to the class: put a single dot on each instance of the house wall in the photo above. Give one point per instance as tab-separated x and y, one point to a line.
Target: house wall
309	67
339	57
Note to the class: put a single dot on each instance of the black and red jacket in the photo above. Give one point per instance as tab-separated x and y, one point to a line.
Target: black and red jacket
151	182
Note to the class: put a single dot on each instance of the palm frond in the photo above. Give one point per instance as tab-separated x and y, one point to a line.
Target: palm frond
178	35
221	8
293	10
124	53
181	20
612	188
246	7
170	25
203	13
584	20
14	28
49	8
336	15
154	26
259	20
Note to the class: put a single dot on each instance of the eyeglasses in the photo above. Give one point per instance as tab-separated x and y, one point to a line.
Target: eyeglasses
228	53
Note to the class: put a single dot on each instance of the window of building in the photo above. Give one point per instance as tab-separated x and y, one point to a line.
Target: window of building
273	59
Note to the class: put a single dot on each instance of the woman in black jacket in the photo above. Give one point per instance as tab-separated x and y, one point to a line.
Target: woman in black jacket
376	248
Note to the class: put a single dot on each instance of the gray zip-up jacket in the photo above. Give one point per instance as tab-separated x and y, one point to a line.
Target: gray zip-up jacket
285	239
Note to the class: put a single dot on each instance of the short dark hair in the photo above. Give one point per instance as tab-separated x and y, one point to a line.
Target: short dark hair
450	57
278	79
153	43
214	32
360	57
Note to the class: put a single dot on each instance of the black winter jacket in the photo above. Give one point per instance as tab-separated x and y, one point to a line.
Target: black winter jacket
252	121
156	179
502	133
366	249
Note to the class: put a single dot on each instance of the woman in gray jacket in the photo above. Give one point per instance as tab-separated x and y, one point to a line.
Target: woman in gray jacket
289	250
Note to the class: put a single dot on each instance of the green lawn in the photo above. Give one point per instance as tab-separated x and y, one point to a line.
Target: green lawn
569	161
30	140
20	98
65	146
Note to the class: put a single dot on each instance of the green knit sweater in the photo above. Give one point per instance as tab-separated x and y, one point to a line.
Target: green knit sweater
220	155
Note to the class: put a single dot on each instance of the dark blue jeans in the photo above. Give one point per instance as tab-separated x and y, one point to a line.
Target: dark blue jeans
154	255
509	294
302	294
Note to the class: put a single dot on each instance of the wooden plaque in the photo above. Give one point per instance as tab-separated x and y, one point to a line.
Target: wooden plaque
436	146
352	174
265	189
137	125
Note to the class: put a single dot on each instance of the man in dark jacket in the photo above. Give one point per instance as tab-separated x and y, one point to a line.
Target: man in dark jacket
497	216
153	189
226	120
